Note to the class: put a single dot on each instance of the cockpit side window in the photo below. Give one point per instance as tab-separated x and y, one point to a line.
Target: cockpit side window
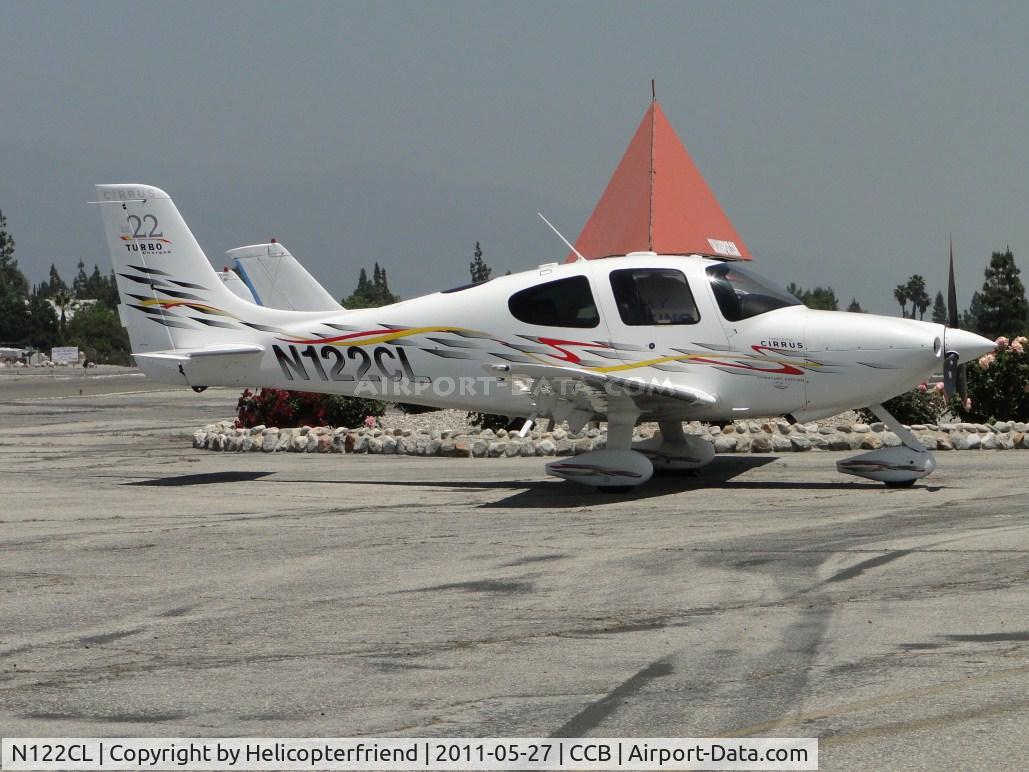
742	294
562	303
647	296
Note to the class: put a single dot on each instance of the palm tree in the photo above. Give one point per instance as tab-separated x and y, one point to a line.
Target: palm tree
63	300
916	293
923	303
900	294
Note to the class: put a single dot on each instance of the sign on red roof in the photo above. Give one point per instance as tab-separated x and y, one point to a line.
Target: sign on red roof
657	201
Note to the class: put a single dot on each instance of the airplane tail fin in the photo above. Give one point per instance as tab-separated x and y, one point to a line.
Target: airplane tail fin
173	303
277	280
170	295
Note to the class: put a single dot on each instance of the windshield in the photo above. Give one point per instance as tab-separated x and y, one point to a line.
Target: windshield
742	294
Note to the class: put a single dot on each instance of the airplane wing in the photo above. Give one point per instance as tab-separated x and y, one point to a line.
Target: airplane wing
577	396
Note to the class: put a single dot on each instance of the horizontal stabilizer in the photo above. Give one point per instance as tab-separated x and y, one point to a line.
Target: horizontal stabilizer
230	364
188	354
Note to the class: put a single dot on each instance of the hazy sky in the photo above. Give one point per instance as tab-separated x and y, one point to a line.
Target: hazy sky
844	140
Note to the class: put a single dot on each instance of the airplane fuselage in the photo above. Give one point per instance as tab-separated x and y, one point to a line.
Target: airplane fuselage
435	349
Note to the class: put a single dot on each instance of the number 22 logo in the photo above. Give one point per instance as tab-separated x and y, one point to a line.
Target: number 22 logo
139	228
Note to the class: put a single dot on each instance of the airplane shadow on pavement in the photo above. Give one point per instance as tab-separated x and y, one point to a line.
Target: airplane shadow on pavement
203	478
721	473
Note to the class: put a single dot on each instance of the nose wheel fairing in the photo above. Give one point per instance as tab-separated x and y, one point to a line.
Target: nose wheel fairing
894	466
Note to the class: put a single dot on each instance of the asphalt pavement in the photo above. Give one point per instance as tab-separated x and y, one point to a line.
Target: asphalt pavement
150	589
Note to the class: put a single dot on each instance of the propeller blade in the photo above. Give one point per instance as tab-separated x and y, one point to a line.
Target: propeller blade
950	374
954	377
952	294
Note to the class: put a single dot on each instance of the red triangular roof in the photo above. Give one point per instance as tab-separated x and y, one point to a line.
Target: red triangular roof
657	201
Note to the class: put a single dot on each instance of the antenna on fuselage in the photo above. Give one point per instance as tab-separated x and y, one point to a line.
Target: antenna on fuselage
566	241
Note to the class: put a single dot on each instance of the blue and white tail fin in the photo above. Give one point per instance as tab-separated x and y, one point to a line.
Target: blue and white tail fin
276	279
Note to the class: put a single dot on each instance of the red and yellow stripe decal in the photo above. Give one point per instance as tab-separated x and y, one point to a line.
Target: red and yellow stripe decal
188	303
371	337
721	360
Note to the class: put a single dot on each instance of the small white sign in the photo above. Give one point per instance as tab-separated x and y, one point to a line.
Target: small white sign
727	248
64	355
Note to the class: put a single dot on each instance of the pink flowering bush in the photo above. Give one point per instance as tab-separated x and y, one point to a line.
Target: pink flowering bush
924	404
998	384
282	408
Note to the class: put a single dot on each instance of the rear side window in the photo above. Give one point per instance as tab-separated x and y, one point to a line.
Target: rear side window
562	303
648	296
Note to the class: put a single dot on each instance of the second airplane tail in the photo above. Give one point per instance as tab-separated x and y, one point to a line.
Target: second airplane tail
276	279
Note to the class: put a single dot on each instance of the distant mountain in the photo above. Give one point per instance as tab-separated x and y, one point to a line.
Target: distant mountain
421	228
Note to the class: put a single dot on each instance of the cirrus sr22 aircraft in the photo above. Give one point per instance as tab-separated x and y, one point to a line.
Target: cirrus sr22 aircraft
642	337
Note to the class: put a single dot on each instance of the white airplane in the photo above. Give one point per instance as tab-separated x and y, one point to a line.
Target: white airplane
643	337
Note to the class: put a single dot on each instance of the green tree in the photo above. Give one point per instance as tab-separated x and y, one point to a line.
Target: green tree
855	307
900	294
371	294
915	291
940	309
80	285
54	284
362	287
479	270
12	280
1004	308
15	323
43	331
108	295
970	318
98	333
63	301
821	298
103	289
